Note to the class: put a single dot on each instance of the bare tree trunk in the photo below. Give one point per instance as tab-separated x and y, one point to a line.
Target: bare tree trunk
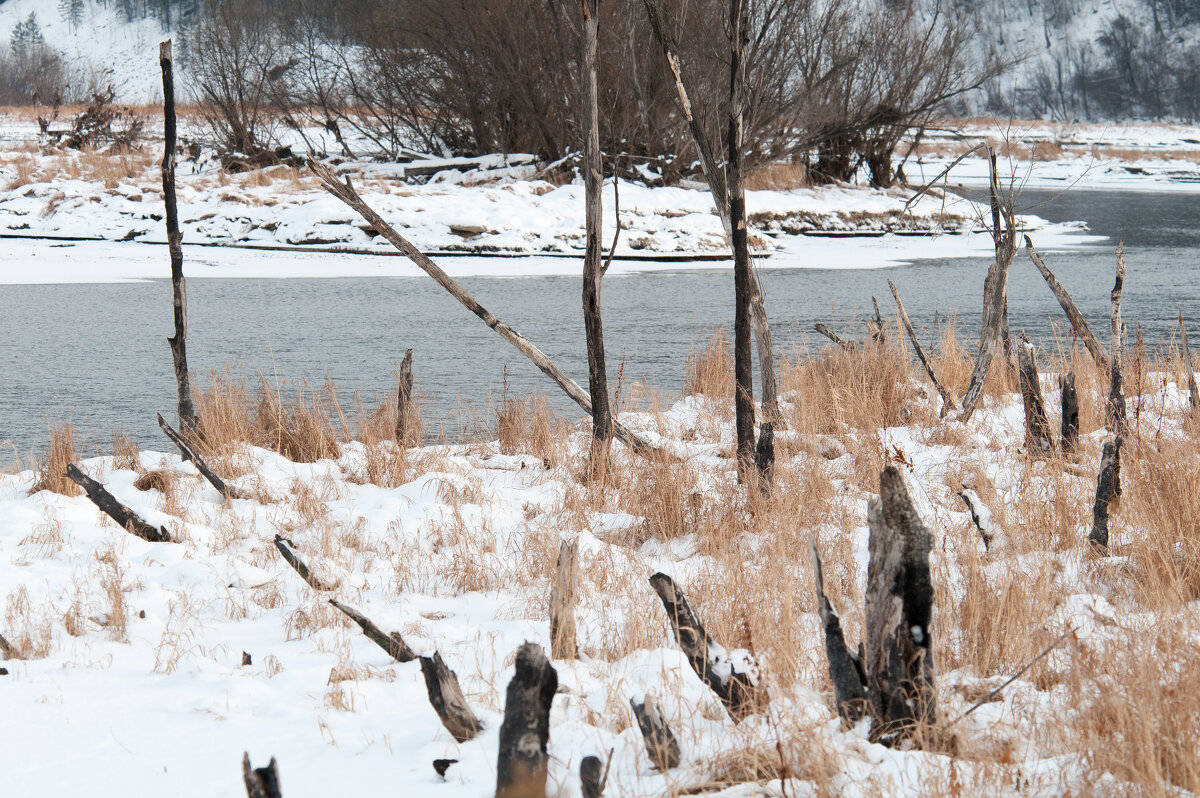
126	518
1193	392
661	745
562	601
592	269
845	669
178	342
261	782
521	763
1114	409
392	643
1108	488
948	400
405	424
1078	322
447	699
899	609
1038	439
1070	413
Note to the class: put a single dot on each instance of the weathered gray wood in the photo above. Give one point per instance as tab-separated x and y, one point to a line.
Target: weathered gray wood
1039	441
392	643
285	548
261	782
899	609
178	342
448	700
346	193
1188	366
845	669
1070	413
877	328
1078	322
525	731
562	602
405	425
823	329
1114	408
198	461
948	400
737	690
1108	487
126	518
661	745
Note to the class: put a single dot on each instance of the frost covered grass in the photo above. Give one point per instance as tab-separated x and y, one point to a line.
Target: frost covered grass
131	652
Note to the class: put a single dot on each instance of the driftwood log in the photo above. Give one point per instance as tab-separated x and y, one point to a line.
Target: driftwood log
1114	408
1070	413
948	400
346	193
525	731
189	453
563	643
824	329
661	745
899	607
845	669
448	700
261	782
126	518
285	547
1078	322
406	423
1108	488
1188	366
178	342
392	643
1039	441
737	690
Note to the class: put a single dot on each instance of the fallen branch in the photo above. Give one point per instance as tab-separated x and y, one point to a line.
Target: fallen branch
448	700
1078	322
837	339
948	400
127	519
981	516
198	461
285	548
393	644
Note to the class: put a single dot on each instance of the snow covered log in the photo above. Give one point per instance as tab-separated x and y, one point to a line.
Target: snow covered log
448	700
1078	323
198	461
404	409
285	548
1038	438
522	760
261	782
127	519
393	644
1108	487
737	690
845	669
981	517
1070	413
1114	409
661	745
562	600
899	609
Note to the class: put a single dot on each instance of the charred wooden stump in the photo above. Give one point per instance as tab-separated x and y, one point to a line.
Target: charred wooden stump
447	699
127	519
1108	488
845	669
521	763
261	782
1070	413
563	643
899	608
764	458
285	548
591	771
1038	438
709	659
661	745
392	643
404	409
190	454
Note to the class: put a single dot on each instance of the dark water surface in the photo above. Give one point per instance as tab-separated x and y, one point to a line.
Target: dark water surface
95	354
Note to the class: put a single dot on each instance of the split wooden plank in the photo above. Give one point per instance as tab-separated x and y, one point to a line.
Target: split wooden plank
845	669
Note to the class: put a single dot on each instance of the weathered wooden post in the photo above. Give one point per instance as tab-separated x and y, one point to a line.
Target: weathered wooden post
563	643
1070	413
1038	439
1114	409
845	669
1108	488
405	423
661	745
522	759
1188	367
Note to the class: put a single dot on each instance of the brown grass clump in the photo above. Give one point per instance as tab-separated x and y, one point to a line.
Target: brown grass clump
709	371
529	426
778	176
51	468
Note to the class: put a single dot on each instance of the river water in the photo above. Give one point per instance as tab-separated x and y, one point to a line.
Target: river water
95	354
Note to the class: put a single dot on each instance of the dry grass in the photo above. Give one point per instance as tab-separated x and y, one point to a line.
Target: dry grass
51	468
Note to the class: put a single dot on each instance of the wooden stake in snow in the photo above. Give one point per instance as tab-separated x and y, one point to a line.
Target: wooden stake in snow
661	745
948	400
1114	409
392	643
178	342
261	782
709	659
404	408
1070	413
562	603
1108	487
346	193
285	548
1078	322
1188	366
521	762
845	669
127	519
448	700
198	461
1039	441
899	609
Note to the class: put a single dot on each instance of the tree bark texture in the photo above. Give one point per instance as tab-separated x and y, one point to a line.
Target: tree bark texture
1070	413
1114	408
406	423
661	745
948	400
845	669
1078	322
521	763
562	603
392	643
1108	487
1039	441
190	454
261	782
126	518
448	700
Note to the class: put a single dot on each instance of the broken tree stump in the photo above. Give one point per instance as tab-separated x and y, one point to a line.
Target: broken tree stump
1038	439
845	669
405	424
1070	413
198	461
899	609
563	643
1108	488
522	759
1193	392
948	400
392	643
1114	408
285	548
127	519
661	745
1078	322
261	782
710	660
447	699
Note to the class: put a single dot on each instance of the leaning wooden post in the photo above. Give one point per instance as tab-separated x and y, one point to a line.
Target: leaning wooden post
1070	413
126	518
1193	392
1038	439
285	547
1114	408
948	400
1108	488
448	700
261	782
392	643
1078	322
178	342
562	603
845	669
405	425
899	609
661	745
186	451
525	731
